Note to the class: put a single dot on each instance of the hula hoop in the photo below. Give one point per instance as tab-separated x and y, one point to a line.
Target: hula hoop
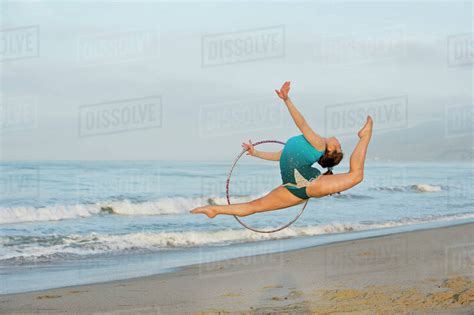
228	196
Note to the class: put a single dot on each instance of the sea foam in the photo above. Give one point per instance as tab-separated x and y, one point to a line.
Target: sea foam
162	206
45	248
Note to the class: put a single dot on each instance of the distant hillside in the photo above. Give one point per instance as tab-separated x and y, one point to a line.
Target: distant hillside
425	142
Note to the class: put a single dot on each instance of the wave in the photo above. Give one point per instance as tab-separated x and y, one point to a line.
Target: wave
56	212
426	188
163	206
46	248
421	188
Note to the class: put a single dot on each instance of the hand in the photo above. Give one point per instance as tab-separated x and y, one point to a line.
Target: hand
285	89
249	147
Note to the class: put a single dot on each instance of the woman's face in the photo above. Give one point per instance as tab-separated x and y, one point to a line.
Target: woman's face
333	144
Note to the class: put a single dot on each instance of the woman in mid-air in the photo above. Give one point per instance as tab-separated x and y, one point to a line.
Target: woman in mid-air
300	180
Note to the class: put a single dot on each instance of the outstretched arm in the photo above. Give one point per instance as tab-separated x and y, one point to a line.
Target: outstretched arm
316	140
271	156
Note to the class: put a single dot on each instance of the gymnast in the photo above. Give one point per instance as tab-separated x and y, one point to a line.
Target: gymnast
301	180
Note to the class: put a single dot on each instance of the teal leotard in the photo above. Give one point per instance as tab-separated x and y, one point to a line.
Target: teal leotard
295	165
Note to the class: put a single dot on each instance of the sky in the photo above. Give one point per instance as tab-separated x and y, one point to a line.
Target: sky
103	80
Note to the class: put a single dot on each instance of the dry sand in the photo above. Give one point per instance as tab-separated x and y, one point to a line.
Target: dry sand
423	272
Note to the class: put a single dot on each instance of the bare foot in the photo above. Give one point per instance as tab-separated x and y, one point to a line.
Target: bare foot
211	213
367	129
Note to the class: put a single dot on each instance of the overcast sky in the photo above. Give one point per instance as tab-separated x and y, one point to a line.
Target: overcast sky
185	81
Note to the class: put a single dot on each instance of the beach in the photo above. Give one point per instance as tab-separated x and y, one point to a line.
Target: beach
420	272
126	127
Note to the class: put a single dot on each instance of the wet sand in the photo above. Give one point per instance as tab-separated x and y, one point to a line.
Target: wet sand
422	272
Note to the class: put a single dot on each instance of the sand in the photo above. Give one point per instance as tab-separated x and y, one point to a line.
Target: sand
422	272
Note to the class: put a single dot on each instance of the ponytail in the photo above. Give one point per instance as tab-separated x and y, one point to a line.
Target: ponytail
329	171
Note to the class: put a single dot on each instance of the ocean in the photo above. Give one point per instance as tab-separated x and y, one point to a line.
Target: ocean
75	222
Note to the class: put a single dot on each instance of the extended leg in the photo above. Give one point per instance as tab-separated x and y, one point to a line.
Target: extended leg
330	184
278	198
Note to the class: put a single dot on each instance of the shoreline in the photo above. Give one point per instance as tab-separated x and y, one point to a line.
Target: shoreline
409	271
159	263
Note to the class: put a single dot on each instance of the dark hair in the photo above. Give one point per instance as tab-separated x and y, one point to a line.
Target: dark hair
330	159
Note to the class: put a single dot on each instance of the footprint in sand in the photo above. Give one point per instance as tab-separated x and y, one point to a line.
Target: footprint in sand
76	291
40	297
294	294
231	295
275	286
